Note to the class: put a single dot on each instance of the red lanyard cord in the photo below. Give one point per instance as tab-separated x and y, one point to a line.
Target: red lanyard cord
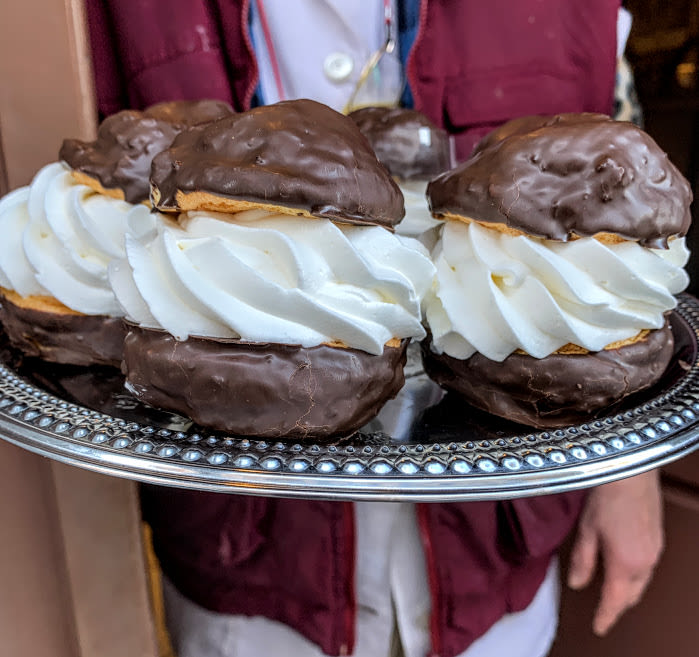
270	50
274	62
388	17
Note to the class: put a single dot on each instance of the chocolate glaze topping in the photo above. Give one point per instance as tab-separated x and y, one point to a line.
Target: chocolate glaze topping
296	154
558	390
261	389
525	124
121	156
64	338
188	113
406	142
570	174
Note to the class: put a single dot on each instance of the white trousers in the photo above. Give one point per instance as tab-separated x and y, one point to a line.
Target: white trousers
393	606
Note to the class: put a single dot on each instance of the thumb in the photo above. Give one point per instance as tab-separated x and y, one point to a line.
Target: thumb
583	558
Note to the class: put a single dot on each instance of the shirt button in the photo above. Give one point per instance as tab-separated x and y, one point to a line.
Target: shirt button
338	66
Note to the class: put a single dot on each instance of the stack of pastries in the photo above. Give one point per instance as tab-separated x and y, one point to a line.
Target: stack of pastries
244	271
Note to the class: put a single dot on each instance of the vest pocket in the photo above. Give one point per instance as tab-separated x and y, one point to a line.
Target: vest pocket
490	100
473	106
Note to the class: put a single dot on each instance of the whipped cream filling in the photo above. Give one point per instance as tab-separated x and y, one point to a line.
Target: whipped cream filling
16	272
60	238
495	293
417	220
266	277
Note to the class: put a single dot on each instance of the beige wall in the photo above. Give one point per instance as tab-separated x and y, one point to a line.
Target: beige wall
35	605
46	91
72	573
71	562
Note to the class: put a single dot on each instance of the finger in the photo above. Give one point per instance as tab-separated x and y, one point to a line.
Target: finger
617	595
583	558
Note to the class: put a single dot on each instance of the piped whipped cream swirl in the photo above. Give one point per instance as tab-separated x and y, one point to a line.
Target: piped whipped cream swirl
496	293
417	220
59	238
266	277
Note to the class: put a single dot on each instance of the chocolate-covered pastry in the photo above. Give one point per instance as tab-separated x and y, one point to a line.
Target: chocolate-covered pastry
55	333
188	113
570	175
414	151
270	390
58	239
271	318
62	232
560	389
118	162
556	269
406	142
297	157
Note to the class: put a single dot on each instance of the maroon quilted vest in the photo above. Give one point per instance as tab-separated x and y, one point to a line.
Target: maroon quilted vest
473	65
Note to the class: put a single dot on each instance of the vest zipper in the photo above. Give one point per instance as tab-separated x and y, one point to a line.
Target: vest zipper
410	72
250	91
350	610
433	580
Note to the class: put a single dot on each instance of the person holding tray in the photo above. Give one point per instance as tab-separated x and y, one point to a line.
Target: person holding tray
250	576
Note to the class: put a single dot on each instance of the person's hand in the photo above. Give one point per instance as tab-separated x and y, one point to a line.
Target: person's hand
622	523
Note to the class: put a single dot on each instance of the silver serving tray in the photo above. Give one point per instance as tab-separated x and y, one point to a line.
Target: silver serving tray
424	446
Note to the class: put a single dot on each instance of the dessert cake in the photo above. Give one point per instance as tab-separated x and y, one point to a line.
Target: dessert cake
561	252
414	151
276	301
118	162
63	230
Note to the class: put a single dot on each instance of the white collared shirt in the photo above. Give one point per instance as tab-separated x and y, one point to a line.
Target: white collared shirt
320	48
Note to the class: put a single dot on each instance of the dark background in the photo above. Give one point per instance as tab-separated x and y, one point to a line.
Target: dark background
663	50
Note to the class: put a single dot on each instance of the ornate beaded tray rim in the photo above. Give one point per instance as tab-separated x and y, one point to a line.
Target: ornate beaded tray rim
443	451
